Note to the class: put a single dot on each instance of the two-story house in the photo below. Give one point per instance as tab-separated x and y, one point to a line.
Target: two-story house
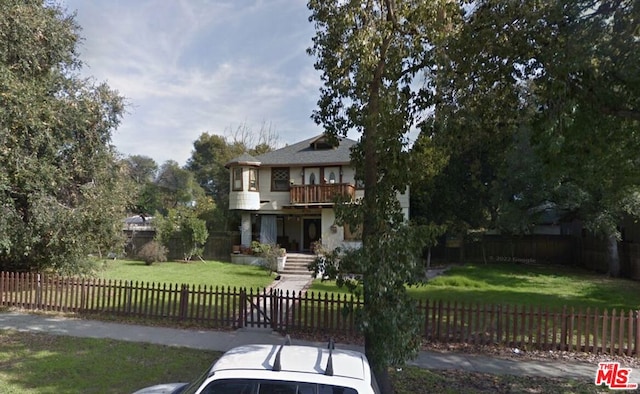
286	196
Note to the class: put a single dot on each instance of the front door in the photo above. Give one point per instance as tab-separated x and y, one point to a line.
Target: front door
311	232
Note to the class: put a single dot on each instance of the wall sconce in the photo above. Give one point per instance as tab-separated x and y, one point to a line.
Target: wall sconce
302	173
340	171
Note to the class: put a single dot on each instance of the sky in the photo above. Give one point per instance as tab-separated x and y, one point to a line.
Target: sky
187	67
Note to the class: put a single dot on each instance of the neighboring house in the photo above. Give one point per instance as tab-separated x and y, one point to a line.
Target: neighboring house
286	196
139	223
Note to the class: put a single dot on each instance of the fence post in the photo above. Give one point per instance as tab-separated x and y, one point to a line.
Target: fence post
39	291
242	307
274	308
184	302
637	336
563	333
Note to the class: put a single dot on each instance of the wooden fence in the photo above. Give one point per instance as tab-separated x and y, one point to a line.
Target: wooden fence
570	329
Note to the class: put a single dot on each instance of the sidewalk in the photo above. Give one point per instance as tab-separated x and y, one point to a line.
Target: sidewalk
225	340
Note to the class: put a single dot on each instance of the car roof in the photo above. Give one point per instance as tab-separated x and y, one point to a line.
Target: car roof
295	359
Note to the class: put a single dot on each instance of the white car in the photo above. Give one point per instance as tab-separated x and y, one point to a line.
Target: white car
284	369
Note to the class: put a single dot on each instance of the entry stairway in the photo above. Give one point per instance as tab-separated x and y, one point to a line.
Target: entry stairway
297	263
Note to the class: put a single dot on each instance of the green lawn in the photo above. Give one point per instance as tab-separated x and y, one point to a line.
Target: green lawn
537	285
208	273
44	364
37	363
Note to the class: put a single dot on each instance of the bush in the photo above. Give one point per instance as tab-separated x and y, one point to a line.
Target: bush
270	254
153	252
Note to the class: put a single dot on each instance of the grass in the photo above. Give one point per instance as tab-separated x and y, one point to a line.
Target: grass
38	363
208	273
42	364
551	286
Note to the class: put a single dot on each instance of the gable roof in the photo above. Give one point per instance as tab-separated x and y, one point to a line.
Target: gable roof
312	151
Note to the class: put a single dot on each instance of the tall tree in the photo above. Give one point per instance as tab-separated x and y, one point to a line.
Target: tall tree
142	169
61	194
176	186
142	172
369	54
568	72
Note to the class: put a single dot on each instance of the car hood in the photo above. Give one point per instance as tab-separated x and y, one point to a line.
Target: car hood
166	388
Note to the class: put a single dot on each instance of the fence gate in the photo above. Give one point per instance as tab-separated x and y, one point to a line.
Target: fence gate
258	310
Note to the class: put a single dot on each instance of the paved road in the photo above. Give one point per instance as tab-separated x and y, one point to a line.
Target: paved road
225	340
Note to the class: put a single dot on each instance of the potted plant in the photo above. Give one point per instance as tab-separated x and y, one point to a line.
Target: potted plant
281	258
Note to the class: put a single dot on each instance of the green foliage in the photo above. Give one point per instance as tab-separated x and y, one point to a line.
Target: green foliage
269	252
176	186
567	74
142	172
182	224
152	252
369	54
62	194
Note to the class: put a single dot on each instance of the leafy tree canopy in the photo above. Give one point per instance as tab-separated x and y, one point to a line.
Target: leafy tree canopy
142	172
182	224
61	194
176	186
369	54
556	83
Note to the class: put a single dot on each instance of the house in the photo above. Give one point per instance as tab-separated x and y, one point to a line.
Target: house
286	196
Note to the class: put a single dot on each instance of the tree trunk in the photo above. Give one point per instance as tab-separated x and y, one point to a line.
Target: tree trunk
613	258
381	372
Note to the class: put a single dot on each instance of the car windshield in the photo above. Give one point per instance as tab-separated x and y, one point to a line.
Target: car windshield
255	386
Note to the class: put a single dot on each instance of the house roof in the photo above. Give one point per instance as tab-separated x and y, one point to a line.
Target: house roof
244	159
312	151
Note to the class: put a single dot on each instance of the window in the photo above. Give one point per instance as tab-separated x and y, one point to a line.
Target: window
250	386
253	179
237	179
332	177
280	179
352	234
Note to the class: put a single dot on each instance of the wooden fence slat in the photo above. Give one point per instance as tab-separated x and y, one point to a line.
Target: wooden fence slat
574	329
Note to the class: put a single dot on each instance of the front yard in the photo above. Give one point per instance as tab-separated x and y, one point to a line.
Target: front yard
550	286
199	273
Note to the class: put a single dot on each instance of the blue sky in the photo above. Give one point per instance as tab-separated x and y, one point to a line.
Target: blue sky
193	66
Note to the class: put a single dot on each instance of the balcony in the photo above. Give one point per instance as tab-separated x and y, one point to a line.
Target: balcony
320	194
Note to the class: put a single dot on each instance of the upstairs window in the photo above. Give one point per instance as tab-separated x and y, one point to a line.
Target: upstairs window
280	179
253	179
237	179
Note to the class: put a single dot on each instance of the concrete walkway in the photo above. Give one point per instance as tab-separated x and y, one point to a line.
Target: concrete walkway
225	340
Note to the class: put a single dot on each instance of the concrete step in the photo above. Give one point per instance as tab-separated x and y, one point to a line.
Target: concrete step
297	263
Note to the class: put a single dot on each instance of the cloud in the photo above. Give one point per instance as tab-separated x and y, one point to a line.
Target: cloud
191	66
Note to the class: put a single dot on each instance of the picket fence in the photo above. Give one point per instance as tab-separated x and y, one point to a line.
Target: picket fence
524	327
